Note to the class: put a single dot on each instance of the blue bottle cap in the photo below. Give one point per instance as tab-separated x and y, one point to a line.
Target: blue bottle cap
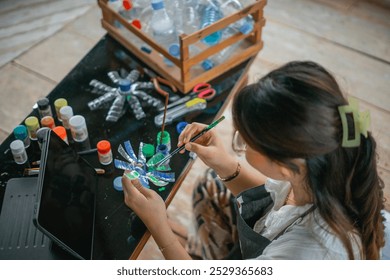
157	5
20	132
180	126
124	85
118	184
246	28
213	38
174	49
162	148
207	64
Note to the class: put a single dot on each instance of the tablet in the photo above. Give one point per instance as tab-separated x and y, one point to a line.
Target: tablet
65	208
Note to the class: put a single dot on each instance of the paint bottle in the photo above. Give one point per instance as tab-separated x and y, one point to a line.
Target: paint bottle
20	133
58	104
104	152
44	108
79	131
32	125
61	132
166	139
66	113
18	151
48	121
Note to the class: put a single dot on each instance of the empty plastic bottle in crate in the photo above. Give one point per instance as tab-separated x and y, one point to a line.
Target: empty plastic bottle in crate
191	16
211	12
244	25
175	9
162	25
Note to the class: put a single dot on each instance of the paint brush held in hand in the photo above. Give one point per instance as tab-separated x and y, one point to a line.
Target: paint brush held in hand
193	139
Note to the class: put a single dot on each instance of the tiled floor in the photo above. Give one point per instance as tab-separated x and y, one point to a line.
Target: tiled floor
40	42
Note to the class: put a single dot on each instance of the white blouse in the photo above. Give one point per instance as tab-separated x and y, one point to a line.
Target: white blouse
307	238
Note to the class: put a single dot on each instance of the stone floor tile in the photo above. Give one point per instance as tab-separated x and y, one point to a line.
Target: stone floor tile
20	89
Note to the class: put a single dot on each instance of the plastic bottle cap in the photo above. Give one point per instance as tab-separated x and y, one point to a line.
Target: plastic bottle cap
20	132
157	4
165	139
77	121
148	150
124	85
43	103
118	184
47	122
137	23
103	146
162	148
207	64
174	49
180	126
60	131
127	4
60	102
246	28
213	38
17	146
66	112
32	122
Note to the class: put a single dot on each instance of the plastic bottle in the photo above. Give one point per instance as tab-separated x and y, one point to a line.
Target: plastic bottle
48	121
165	139
32	125
66	113
162	25
244	25
191	16
175	9
104	152
44	107
211	13
20	133
58	104
18	151
79	132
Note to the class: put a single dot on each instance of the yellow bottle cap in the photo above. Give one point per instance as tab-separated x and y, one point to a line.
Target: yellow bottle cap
59	103
31	122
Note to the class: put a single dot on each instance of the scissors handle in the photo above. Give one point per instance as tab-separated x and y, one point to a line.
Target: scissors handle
204	91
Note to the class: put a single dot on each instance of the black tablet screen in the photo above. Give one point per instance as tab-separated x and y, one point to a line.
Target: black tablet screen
66	203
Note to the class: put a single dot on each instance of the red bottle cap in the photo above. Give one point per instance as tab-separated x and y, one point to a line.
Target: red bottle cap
127	4
103	147
136	23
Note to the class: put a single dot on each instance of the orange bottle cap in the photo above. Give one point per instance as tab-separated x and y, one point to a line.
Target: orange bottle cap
48	122
60	131
103	147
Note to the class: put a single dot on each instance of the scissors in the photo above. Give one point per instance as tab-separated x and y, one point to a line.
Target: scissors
201	90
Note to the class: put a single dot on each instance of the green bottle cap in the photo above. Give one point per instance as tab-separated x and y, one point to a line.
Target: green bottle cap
148	150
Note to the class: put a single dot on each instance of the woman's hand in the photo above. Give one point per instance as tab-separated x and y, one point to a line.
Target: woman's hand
146	203
208	147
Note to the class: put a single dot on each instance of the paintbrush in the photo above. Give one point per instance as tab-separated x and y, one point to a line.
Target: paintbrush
193	139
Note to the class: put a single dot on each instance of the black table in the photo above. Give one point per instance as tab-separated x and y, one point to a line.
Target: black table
120	234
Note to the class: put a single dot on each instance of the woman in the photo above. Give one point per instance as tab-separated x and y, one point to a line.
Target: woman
320	196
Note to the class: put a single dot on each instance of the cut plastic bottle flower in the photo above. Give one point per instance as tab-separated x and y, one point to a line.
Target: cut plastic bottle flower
142	170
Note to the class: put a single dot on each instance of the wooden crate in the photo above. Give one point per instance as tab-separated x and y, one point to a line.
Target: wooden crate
183	75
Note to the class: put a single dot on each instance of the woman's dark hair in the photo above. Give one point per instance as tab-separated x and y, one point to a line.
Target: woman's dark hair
292	112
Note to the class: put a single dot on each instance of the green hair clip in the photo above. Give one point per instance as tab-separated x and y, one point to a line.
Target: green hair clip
361	123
